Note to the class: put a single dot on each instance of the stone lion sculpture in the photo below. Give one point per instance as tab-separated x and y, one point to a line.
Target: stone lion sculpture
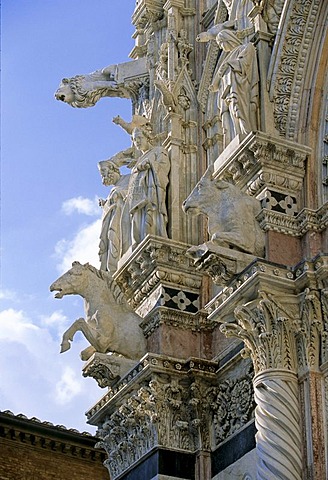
83	91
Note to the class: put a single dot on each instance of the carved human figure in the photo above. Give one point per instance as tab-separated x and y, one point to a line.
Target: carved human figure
146	200
114	227
236	82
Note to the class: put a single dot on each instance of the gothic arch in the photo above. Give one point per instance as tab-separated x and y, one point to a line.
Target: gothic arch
289	62
314	126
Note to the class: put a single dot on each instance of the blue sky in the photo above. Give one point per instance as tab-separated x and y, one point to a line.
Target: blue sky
49	189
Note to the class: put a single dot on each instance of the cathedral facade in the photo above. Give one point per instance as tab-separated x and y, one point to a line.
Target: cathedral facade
208	318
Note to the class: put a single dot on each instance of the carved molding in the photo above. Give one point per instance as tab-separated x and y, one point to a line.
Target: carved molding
289	61
267	167
172	318
324	345
221	264
286	328
38	435
306	220
148	11
165	402
168	407
150	363
324	151
257	276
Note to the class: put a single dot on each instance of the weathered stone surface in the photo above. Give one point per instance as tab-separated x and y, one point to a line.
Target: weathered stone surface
260	135
110	325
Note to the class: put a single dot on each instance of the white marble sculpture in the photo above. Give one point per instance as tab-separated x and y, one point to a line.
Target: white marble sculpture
115	227
83	91
109	326
146	200
231	214
236	83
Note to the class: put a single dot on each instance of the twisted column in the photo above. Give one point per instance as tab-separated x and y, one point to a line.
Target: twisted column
269	331
277	418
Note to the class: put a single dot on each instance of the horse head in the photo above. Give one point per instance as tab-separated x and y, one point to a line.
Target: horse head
72	282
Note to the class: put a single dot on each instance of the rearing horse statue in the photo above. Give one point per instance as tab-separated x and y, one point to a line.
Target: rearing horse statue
109	326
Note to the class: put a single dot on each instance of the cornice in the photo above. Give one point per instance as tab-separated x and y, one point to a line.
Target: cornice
45	435
150	364
307	220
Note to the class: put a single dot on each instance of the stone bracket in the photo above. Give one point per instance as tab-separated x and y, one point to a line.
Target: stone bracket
268	167
156	273
221	264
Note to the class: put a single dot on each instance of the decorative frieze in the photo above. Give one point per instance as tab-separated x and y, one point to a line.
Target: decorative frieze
173	318
306	220
324	151
150	363
324	344
163	403
289	63
173	404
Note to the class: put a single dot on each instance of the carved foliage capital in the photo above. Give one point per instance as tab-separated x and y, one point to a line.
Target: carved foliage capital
268	331
165	411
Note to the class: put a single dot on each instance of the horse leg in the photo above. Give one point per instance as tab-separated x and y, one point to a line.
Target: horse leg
69	334
91	334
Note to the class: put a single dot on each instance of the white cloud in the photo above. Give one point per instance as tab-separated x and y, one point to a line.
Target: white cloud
81	205
68	387
57	322
82	247
35	378
6	294
15	326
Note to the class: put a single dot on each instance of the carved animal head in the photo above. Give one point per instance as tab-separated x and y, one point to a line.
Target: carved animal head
71	282
65	92
79	92
205	194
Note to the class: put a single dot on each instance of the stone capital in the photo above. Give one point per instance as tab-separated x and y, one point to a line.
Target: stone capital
268	330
